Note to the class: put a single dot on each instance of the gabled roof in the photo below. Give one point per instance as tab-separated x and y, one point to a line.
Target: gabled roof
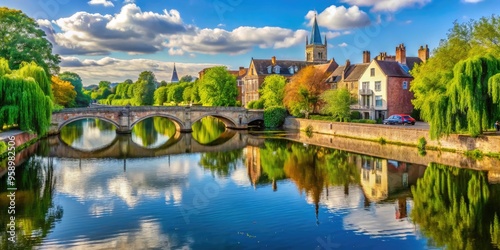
261	65
411	61
353	72
315	34
328	67
393	68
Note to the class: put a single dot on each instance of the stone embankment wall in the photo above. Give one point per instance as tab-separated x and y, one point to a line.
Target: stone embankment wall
400	134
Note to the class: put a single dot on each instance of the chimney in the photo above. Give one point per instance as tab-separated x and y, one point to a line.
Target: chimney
273	60
401	54
366	56
347	64
423	53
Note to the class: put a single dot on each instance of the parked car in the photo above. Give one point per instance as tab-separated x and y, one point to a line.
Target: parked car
399	119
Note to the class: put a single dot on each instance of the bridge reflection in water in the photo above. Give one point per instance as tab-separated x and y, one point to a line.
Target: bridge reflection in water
124	147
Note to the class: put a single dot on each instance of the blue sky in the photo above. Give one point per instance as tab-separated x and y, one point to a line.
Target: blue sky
117	39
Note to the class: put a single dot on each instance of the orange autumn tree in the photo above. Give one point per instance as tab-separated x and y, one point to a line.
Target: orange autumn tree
302	94
64	92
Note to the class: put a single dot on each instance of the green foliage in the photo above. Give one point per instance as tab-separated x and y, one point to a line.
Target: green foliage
207	130
422	143
453	207
81	99
323	118
356	115
272	91
382	141
23	103
251	104
37	73
368	121
3	147
337	103
475	154
452	89
4	67
160	95
309	131
144	89
186	78
274	117
259	104
21	40
218	88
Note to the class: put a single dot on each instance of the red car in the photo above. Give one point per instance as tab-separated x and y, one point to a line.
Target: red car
400	119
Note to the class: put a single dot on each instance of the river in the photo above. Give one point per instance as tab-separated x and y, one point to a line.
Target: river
89	188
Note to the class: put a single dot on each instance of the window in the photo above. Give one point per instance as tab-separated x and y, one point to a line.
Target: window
372	72
334	85
290	69
378	101
365	85
277	69
378	165
269	69
378	86
405	85
378	179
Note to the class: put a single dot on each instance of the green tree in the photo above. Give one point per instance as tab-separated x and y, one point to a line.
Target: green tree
218	87
337	103
81	99
105	84
144	89
186	78
160	96
38	74
437	82
21	40
273	90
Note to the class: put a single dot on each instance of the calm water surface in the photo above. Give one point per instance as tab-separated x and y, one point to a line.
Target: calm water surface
217	189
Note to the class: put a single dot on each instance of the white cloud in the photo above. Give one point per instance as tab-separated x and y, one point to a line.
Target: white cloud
237	41
331	34
117	70
343	45
337	18
139	32
105	3
389	5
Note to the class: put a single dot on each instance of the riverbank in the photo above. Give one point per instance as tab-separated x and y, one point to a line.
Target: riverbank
400	135
22	140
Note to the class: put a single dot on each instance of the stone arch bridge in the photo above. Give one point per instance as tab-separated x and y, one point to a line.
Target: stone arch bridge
125	117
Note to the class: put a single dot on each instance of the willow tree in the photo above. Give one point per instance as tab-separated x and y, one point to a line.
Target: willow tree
38	73
434	79
23	103
472	100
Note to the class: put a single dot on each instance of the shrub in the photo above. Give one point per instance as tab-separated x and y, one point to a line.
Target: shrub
238	104
475	154
368	121
250	105
382	140
355	115
274	116
421	143
309	131
259	104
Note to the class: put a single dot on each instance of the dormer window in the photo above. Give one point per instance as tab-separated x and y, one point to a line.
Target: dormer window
291	70
277	69
296	68
405	85
269	69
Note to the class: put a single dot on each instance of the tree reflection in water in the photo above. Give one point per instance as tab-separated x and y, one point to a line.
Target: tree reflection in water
207	130
457	208
35	213
153	132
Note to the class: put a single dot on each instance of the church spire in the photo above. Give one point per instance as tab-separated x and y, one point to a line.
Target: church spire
175	77
315	34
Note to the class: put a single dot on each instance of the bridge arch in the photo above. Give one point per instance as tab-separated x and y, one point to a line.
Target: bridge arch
179	125
228	122
74	119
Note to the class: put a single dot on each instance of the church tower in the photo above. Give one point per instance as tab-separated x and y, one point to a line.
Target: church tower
316	51
175	78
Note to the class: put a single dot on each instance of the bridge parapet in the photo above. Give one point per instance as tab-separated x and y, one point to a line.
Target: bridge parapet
125	117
